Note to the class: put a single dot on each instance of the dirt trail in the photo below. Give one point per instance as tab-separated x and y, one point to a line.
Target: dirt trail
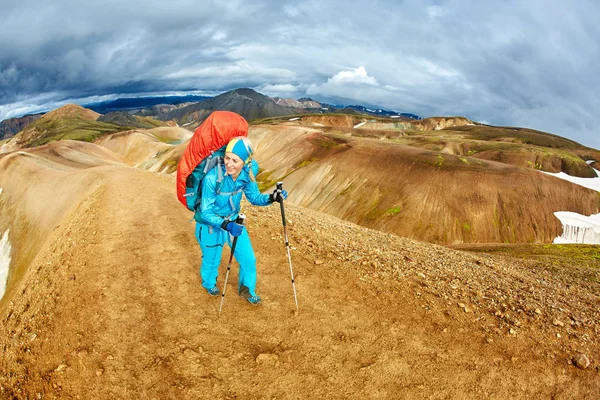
112	307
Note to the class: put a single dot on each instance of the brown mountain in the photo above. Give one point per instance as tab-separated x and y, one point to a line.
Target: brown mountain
300	103
160	111
129	121
12	126
462	137
68	122
415	192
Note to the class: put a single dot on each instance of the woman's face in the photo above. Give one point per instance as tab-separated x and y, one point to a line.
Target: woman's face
233	164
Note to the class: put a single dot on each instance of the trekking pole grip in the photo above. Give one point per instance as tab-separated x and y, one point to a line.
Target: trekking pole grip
279	189
241	219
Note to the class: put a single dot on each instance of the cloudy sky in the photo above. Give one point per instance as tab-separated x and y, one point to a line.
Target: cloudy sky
528	63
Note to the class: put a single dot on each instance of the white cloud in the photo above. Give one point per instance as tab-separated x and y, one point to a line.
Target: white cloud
349	85
291	11
219	35
506	62
358	75
435	12
281	88
239	69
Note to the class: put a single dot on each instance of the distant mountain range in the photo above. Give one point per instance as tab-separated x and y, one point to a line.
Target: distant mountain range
137	103
246	102
190	111
380	112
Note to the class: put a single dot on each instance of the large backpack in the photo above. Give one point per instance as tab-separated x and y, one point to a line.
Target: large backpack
205	150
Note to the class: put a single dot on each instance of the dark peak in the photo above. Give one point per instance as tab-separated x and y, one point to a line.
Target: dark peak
245	91
250	93
306	99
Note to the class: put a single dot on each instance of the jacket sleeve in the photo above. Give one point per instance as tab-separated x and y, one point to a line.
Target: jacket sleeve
254	196
208	206
251	188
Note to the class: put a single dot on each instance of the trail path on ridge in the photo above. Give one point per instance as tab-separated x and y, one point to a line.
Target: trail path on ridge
124	315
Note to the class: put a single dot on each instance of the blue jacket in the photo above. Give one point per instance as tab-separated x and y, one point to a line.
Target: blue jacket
221	201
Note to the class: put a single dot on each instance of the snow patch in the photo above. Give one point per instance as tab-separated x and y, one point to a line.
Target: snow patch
590	183
359	125
579	228
294	119
395	116
5	248
0	190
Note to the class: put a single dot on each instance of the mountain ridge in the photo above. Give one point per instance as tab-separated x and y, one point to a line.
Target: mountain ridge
414	192
67	122
381	172
246	102
160	106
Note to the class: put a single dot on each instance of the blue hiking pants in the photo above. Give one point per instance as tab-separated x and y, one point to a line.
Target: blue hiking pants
211	243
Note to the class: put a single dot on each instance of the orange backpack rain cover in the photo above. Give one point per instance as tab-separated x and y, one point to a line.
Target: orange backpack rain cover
215	132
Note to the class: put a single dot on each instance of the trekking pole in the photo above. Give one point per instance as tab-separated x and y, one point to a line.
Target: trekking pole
287	243
240	220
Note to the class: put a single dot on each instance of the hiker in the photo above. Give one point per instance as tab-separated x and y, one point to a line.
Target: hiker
222	189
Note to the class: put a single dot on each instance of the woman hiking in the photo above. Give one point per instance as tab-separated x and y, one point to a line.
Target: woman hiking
222	189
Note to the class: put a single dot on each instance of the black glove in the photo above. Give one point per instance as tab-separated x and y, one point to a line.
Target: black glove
278	195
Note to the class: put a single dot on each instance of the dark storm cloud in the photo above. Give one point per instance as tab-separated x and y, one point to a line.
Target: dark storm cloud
522	63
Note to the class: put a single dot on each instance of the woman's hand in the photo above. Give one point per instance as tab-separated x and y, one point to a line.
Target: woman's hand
278	195
232	227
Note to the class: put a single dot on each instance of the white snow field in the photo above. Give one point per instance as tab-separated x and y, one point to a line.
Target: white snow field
5	248
579	228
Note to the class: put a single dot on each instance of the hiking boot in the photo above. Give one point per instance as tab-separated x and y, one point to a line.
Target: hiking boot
213	291
254	300
244	292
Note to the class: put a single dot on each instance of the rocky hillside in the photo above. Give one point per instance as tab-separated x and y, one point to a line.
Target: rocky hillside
68	122
438	123
104	301
160	111
413	192
12	126
525	148
300	103
129	121
349	118
156	150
